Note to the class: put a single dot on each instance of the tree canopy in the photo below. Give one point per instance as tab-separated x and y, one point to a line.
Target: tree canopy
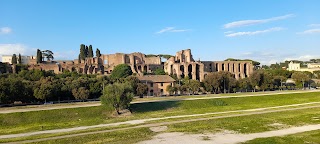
121	71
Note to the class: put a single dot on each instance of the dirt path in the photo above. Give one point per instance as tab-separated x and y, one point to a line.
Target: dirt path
248	112
53	107
226	137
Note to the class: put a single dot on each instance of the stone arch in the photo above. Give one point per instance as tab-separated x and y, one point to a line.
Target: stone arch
197	72
245	70
222	67
190	71
145	68
182	71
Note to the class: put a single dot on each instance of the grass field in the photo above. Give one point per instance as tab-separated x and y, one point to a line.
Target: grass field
243	124
312	137
64	118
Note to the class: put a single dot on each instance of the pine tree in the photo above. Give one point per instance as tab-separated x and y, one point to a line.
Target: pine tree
19	59
14	59
98	54
90	51
82	52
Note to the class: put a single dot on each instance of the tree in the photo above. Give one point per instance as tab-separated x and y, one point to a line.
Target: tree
39	56
98	54
48	54
194	86
121	71
244	84
80	93
171	89
211	82
82	52
159	71
90	51
86	51
19	59
300	78
117	96
14	59
141	89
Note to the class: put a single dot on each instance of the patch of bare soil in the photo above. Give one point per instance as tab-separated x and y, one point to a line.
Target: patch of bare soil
225	137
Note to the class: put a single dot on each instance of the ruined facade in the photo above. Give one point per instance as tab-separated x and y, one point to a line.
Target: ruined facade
104	64
183	65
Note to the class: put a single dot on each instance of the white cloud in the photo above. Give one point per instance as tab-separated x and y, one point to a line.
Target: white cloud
243	23
5	30
314	25
310	31
171	29
302	57
10	49
249	33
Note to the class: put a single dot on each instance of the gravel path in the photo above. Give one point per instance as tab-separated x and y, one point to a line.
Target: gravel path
53	107
248	112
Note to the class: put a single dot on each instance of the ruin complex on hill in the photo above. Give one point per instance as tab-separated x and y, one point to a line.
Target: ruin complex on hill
181	65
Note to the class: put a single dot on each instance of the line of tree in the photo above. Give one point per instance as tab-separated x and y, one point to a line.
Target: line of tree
87	52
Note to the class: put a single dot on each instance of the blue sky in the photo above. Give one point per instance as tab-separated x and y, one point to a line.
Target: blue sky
266	30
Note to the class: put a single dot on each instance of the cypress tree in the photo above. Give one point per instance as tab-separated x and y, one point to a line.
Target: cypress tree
79	59
86	51
98	54
90	51
19	59
82	52
14	59
38	56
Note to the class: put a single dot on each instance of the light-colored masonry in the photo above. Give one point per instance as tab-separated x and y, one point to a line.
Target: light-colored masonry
181	65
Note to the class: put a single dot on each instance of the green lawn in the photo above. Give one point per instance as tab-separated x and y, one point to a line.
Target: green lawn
312	137
243	124
64	118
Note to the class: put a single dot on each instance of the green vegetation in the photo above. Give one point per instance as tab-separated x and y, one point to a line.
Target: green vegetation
255	63
117	96
241	124
117	137
14	59
54	119
301	138
121	71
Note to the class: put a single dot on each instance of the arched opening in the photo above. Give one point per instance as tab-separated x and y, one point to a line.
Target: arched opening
190	71
151	92
197	72
182	71
145	68
222	67
233	65
105	62
216	67
245	70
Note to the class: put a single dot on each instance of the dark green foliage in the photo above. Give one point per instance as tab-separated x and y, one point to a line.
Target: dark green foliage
220	82
159	71
98	54
86	51
14	59
117	96
79	59
80	93
19	59
142	89
82	52
121	71
48	54
39	56
90	51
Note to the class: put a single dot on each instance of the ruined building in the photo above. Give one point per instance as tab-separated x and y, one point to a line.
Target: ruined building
181	65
